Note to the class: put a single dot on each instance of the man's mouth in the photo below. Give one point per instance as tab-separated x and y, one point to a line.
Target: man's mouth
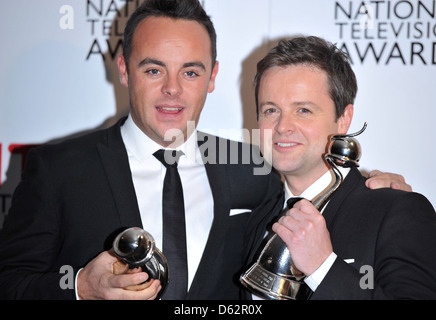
286	144
169	109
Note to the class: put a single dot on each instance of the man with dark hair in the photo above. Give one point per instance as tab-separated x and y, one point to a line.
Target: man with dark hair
305	94
76	196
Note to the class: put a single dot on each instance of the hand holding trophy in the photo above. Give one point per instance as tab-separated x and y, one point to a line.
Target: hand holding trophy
273	275
136	249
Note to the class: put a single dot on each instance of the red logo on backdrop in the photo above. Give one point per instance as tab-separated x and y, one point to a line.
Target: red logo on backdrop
20	150
23	150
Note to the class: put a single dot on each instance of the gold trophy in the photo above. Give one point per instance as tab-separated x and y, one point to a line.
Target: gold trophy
273	275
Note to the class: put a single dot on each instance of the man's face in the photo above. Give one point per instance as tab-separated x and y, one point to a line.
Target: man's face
295	104
170	74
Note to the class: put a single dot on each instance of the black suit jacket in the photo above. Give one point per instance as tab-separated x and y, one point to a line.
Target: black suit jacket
76	196
388	232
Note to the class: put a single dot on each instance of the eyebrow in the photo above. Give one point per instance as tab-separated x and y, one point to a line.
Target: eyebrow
151	61
267	103
146	61
297	103
305	103
196	64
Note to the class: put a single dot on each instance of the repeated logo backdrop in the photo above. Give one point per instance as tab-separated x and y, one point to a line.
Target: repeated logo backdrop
387	32
59	77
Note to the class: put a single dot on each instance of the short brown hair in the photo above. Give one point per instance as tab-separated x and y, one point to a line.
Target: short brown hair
176	9
317	52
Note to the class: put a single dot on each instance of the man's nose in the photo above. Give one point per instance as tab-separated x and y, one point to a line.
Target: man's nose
172	86
285	123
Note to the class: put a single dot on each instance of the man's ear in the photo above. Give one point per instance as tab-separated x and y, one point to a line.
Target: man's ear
344	121
122	69
212	78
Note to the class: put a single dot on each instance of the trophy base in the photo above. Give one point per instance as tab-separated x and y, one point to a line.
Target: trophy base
272	286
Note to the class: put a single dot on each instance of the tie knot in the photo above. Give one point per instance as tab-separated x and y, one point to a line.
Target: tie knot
169	158
292	201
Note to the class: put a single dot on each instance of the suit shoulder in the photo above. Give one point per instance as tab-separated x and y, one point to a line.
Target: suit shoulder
70	152
391	195
221	150
355	196
391	202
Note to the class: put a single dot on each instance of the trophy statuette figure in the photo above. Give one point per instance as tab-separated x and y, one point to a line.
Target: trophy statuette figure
136	247
273	275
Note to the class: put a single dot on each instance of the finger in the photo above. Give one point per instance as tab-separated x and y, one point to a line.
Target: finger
296	208
378	179
401	186
149	293
291	218
389	182
304	209
375	184
287	235
158	288
134	270
282	231
119	267
374	173
297	204
141	286
125	280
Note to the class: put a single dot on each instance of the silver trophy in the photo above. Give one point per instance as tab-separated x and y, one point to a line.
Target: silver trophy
136	247
273	275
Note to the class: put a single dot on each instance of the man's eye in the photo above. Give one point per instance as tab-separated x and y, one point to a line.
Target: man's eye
191	74
304	111
153	71
270	111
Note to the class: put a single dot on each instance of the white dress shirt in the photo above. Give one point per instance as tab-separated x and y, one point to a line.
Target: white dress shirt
310	193
148	175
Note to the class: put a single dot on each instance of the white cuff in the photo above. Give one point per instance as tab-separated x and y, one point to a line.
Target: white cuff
314	280
75	285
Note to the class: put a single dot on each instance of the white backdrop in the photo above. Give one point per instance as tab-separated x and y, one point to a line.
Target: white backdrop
58	75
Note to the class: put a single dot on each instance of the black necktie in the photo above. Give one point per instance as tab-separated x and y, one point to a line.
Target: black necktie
174	230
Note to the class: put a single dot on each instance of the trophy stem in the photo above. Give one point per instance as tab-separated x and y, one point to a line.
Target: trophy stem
322	199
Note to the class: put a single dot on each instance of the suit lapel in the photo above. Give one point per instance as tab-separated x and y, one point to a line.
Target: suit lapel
340	195
114	159
255	241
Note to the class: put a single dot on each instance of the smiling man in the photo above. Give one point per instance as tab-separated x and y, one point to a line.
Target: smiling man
168	80
305	90
296	105
76	196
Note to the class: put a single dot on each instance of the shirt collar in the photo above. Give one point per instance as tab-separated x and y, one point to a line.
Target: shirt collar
141	147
